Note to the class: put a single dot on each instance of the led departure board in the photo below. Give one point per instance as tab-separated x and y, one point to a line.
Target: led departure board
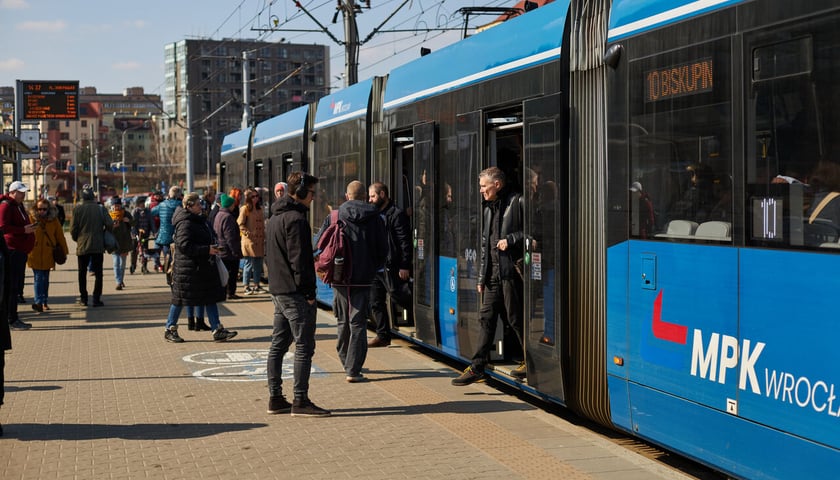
50	100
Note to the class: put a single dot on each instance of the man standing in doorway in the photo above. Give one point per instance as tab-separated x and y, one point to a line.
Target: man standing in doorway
393	279
499	283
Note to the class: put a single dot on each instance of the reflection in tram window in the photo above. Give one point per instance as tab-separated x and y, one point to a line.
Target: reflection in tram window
680	144
794	138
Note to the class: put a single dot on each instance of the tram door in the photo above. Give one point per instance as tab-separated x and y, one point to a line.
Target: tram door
279	170
543	194
398	172
465	218
258	180
423	232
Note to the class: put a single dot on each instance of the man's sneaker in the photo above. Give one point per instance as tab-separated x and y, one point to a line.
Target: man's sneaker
20	325
83	302
222	334
469	376
305	408
519	372
278	404
98	303
249	291
259	289
171	335
355	378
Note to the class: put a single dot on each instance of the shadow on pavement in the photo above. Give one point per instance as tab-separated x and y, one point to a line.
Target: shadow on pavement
465	407
139	431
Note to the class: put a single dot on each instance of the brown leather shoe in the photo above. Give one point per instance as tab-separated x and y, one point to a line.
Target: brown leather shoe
379	342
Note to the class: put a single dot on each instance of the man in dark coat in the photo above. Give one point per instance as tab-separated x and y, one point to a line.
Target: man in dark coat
90	220
291	282
195	277
230	243
365	231
499	283
393	280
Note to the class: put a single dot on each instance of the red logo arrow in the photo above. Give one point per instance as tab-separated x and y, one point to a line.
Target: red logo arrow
670	332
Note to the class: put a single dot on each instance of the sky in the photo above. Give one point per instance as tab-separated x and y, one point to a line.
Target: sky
113	45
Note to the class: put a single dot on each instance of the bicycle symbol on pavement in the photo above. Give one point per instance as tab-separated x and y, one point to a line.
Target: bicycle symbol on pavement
239	365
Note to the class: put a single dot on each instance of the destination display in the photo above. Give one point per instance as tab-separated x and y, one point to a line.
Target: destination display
679	80
50	100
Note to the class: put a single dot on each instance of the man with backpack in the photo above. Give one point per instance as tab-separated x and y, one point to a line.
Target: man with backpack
362	230
291	282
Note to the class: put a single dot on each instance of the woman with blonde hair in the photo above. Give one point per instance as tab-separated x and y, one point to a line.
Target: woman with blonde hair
48	234
252	228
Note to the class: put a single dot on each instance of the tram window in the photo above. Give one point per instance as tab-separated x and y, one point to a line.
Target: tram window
793	143
680	142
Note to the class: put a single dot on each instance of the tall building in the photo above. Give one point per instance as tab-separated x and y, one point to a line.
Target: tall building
209	82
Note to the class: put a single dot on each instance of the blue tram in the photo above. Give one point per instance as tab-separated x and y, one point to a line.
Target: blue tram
679	162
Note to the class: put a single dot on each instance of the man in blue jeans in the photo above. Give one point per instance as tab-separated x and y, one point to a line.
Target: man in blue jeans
291	282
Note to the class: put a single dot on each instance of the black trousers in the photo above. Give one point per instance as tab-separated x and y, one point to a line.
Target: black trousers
95	261
379	306
2	375
500	299
17	265
232	265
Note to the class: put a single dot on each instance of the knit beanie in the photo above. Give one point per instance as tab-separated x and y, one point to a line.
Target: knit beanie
226	201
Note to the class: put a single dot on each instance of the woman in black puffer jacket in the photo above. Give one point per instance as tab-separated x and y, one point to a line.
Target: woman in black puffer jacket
195	278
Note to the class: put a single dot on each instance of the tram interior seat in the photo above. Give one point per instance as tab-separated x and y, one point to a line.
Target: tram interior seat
713	230
679	229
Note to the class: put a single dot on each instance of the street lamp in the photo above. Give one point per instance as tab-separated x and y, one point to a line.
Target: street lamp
207	139
122	154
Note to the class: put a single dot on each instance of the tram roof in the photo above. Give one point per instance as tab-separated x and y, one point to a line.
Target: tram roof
281	127
236	141
631	17
343	105
526	40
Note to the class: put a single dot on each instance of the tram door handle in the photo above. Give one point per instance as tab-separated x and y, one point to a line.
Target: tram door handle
648	273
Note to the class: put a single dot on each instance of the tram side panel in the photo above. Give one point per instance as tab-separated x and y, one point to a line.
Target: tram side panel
727	330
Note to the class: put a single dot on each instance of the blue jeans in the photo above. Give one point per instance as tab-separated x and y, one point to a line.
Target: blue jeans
41	285
212	315
294	319
351	309
119	267
252	270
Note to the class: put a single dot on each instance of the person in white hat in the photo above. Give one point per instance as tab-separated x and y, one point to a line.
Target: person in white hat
20	239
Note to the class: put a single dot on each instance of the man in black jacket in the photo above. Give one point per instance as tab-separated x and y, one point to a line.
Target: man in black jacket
498	280
291	282
393	280
365	231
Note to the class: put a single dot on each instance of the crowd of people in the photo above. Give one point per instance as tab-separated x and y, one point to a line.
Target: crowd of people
202	243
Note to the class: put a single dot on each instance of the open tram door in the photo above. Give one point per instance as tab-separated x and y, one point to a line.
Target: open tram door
422	182
398	172
544	194
278	171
